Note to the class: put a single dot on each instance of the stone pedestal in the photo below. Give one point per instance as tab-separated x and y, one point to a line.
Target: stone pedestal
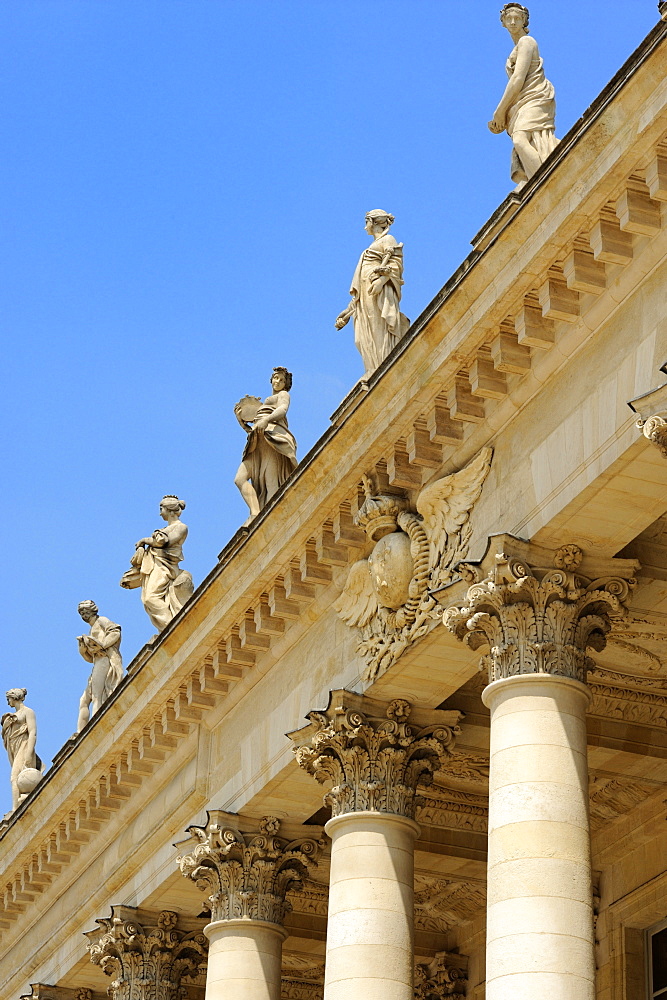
244	960
540	939
539	613
247	869
375	755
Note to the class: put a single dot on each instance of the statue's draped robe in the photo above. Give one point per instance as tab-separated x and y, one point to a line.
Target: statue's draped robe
533	112
164	587
269	455
378	322
15	739
102	631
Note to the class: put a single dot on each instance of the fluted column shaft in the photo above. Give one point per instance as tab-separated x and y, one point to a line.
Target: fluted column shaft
375	760
538	625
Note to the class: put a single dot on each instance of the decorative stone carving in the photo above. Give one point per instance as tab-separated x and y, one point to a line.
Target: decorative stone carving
654	430
629	699
388	596
146	959
165	587
370	753
452	809
611	796
101	647
248	874
300	989
42	991
539	620
651	408
441	903
19	735
376	294
445	976
527	109
269	456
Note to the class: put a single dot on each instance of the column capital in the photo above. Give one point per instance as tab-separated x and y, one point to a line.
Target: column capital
146	953
246	867
445	976
373	756
651	410
539	610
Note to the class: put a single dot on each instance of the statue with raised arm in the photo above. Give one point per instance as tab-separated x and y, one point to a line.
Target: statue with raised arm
165	587
19	735
527	109
379	323
269	455
101	647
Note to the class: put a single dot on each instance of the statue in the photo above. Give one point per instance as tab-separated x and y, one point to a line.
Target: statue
19	734
376	294
269	456
155	567
101	647
527	110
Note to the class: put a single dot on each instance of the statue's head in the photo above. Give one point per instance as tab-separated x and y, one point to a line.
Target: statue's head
281	379
16	696
88	610
378	221
515	12
170	504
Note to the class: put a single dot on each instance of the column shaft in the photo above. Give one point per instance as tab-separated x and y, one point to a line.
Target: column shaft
540	940
244	961
371	904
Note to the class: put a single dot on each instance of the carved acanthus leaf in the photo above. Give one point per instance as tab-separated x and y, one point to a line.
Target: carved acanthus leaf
152	958
247	875
370	754
445	976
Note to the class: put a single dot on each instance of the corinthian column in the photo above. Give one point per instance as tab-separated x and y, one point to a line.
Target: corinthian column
247	873
146	955
538	624
375	760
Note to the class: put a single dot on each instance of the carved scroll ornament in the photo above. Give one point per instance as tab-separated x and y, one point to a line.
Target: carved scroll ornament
539	621
247	875
375	760
445	976
388	596
654	430
146	961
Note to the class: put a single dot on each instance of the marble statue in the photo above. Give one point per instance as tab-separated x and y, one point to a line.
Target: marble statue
101	647
376	294
269	455
527	109
156	567
19	734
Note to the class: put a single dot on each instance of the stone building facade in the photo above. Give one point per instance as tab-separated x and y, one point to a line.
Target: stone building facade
471	672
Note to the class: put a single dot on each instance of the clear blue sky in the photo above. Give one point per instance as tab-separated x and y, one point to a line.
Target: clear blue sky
184	185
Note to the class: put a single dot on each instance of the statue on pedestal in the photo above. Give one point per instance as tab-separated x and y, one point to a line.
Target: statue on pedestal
269	456
376	294
101	647
156	567
527	110
19	735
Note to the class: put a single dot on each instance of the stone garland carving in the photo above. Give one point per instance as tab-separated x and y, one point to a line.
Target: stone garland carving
539	621
101	647
247	875
453	810
146	961
443	903
42	991
654	430
388	596
165	587
376	294
298	989
611	797
375	760
445	976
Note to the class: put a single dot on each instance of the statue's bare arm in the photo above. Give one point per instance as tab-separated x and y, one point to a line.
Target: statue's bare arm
526	48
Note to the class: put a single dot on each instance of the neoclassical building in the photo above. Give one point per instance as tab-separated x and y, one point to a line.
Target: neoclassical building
409	737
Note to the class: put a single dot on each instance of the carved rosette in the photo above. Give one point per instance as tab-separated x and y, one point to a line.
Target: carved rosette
247	875
539	621
146	961
445	976
654	430
374	758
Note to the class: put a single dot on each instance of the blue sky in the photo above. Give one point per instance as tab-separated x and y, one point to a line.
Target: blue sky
184	184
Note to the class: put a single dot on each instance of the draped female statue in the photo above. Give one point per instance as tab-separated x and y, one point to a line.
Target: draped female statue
165	587
19	735
527	109
376	294
101	647
269	455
